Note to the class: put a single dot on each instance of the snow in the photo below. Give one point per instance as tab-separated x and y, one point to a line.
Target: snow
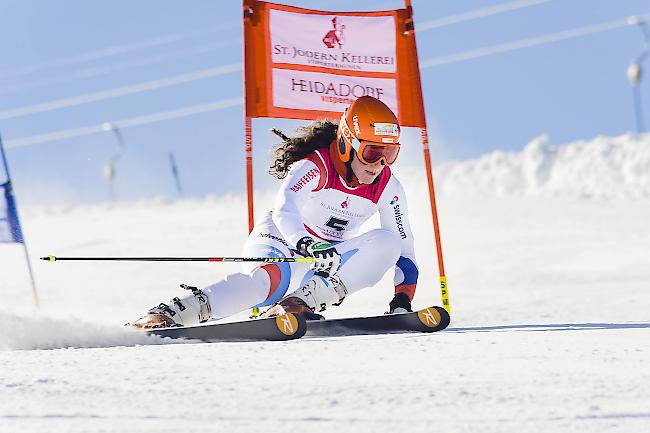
547	259
605	167
21	332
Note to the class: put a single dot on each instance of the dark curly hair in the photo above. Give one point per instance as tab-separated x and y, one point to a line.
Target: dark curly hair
317	135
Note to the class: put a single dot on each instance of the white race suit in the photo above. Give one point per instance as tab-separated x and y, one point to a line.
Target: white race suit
314	201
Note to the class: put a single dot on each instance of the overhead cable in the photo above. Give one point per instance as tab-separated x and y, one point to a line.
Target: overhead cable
476	14
168	39
119	91
110	51
428	63
126	123
97	71
525	43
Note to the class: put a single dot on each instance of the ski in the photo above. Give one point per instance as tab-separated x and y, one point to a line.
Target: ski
292	326
285	327
430	319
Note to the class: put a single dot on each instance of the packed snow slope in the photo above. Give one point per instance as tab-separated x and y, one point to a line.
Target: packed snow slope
548	262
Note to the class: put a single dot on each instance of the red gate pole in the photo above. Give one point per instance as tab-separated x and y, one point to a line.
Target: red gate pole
248	11
249	172
444	294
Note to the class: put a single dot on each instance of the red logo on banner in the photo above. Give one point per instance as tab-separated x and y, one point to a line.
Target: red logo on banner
334	37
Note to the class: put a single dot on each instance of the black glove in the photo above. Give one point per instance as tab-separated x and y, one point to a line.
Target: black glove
400	304
303	243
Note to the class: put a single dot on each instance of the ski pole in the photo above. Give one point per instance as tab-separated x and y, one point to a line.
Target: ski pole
185	259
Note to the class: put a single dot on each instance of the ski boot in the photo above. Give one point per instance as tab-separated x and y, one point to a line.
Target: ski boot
314	296
291	304
190	310
400	304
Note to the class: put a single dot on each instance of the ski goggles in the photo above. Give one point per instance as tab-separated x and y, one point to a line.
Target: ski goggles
370	152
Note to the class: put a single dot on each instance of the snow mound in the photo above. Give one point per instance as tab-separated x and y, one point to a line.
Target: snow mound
603	168
21	332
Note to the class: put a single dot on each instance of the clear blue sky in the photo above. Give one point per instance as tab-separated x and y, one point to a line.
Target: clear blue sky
571	89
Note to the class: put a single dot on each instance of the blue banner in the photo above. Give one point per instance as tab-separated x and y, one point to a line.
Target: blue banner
9	224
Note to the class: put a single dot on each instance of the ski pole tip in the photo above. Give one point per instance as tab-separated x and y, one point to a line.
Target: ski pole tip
49	258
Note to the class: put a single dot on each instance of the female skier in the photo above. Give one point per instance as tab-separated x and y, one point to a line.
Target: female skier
335	178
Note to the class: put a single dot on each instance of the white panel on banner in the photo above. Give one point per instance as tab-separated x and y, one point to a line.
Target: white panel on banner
338	42
328	92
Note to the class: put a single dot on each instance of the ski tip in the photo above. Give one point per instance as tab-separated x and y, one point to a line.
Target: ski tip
49	258
434	318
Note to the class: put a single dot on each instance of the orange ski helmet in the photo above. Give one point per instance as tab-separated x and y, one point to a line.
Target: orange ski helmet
368	128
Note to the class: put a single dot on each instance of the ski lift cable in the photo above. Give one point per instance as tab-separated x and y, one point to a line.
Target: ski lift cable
97	71
126	123
119	91
176	37
425	64
111	51
527	43
476	14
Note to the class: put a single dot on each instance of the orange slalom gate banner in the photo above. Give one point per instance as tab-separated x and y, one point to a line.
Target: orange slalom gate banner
308	64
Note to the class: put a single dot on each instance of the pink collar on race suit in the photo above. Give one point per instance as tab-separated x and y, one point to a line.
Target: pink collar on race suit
330	179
